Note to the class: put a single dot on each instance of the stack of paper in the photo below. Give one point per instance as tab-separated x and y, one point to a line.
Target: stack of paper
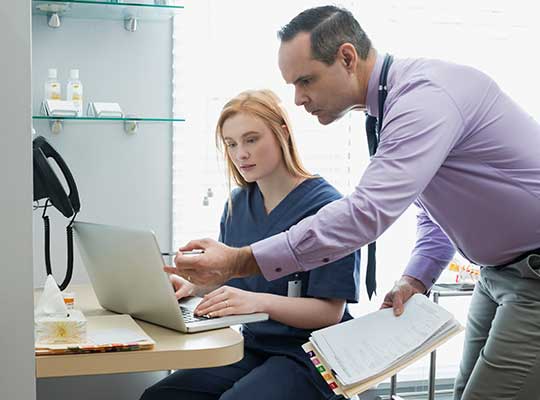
357	354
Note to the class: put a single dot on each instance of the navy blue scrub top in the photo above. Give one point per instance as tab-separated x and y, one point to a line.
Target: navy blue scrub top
250	223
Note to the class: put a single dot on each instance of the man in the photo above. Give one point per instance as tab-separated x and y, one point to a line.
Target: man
453	143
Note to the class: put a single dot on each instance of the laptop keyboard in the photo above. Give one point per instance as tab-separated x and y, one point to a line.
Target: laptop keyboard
188	315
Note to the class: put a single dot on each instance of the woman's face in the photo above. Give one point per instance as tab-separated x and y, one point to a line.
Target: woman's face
252	146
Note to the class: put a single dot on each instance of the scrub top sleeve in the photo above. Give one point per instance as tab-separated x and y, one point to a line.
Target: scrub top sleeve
222	237
338	280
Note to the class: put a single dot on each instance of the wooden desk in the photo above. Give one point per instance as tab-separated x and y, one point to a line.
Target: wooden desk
173	350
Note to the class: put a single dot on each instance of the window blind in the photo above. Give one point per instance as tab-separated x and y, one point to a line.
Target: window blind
223	48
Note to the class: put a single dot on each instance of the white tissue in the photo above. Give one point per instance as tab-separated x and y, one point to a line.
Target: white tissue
53	323
51	303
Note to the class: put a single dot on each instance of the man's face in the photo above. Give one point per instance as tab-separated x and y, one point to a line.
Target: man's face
326	91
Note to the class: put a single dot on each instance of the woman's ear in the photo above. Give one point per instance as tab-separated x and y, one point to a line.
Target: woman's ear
286	131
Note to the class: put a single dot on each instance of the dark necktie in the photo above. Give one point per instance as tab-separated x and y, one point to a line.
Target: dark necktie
373	141
373	128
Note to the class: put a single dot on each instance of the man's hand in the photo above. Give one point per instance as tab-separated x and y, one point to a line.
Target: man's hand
216	265
402	291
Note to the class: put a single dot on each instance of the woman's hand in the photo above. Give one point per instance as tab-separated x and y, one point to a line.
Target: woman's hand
228	300
182	288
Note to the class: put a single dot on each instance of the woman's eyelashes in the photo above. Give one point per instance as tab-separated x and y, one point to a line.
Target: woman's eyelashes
247	140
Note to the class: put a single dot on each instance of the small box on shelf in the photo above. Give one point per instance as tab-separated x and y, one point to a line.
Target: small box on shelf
104	110
58	108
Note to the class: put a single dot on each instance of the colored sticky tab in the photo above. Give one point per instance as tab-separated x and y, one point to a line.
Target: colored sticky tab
321	369
332	385
316	361
327	377
311	354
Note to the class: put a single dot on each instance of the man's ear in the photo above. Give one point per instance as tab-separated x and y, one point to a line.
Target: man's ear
348	56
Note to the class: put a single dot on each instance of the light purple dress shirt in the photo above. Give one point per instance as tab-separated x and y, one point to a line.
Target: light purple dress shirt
454	144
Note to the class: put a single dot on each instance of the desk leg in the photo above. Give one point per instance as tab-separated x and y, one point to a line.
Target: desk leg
432	362
393	386
431	382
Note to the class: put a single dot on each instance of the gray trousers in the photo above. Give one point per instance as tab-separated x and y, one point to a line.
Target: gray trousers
501	356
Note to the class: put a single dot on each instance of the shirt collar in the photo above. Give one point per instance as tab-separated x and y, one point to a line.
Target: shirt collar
372	97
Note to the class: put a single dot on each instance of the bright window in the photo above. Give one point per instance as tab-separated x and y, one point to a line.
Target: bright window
222	48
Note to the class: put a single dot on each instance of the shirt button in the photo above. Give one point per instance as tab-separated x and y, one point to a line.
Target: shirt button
326	259
278	269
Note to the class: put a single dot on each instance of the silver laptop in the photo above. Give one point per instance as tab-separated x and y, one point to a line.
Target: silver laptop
125	267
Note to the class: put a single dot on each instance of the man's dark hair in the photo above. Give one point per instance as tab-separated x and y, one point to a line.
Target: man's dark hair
329	28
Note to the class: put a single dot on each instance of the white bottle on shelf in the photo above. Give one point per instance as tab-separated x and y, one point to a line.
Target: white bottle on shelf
75	91
53	89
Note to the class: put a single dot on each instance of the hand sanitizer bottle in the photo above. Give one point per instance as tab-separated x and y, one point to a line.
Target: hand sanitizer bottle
75	91
52	86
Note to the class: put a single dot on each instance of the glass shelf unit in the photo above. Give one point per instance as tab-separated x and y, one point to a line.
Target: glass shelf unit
131	124
127	118
88	9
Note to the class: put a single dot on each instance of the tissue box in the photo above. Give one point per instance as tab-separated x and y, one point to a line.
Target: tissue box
56	330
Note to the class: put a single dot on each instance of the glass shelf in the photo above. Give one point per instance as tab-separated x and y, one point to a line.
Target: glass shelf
129	119
89	9
131	124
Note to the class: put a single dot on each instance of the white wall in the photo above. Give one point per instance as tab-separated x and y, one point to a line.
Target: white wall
16	297
122	179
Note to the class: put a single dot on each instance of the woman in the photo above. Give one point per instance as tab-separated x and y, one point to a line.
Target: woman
275	192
